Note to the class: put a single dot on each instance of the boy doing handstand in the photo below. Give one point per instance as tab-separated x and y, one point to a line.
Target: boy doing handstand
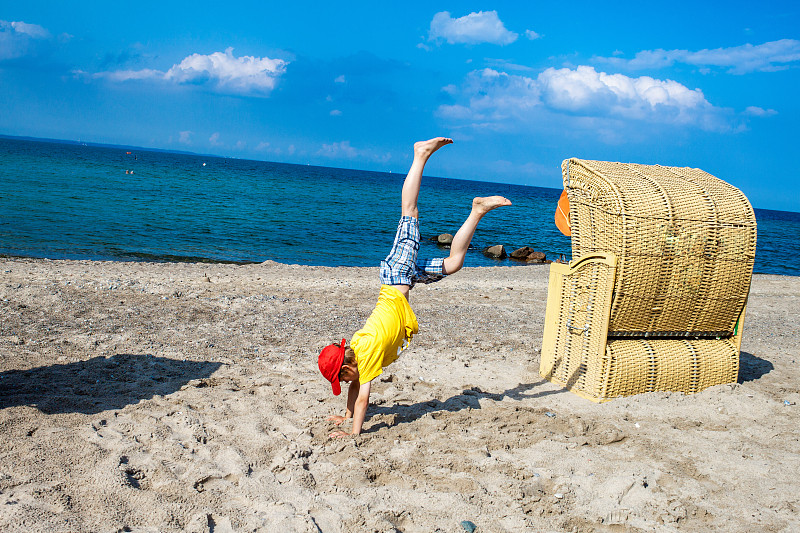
392	324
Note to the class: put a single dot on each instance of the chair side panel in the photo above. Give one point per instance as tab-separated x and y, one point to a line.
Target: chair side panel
576	322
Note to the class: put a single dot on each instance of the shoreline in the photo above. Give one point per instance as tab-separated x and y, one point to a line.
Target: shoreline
185	397
501	263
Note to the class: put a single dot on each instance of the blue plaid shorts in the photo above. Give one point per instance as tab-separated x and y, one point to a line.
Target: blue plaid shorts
401	266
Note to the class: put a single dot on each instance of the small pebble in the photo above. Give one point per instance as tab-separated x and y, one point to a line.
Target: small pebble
558	495
468	526
550	414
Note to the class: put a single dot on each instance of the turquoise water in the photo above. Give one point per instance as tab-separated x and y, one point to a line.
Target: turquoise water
70	201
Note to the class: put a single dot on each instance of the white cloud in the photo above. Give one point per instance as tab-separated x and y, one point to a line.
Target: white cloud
266	147
506	65
20	39
343	150
586	91
222	71
494	99
339	79
754	111
126	75
532	35
185	137
237	74
480	27
336	113
214	139
771	56
338	150
32	30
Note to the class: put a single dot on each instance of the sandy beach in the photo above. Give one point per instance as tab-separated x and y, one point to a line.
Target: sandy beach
186	397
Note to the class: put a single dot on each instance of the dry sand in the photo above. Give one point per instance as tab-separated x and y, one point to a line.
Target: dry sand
185	397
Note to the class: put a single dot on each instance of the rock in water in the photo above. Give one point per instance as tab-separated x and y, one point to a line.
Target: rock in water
445	238
497	251
536	257
522	253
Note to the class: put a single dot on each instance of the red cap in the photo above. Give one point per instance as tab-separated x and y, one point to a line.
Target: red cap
330	363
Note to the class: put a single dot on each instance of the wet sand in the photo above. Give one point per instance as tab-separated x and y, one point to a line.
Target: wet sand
185	397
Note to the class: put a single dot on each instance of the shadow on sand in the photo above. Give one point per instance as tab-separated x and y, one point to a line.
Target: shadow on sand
752	367
467	399
98	384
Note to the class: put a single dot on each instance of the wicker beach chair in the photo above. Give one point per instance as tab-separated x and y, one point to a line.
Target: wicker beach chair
655	296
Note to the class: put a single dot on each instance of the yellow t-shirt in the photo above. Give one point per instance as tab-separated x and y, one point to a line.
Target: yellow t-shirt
380	341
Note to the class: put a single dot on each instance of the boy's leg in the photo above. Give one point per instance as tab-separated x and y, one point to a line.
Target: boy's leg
422	151
462	238
399	266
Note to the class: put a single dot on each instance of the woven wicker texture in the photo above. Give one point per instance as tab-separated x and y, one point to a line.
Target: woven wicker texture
577	354
684	240
576	319
635	366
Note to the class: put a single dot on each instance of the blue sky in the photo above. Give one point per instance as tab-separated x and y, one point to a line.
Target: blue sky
520	86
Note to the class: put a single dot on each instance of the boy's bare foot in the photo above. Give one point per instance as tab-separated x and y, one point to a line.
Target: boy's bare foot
426	148
485	204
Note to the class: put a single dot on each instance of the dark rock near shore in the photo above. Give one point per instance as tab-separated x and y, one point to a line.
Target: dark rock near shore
445	239
522	254
497	251
529	255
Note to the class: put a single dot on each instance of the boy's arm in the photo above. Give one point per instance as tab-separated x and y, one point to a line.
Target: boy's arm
359	409
352	394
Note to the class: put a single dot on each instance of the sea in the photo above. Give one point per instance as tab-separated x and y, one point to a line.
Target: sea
63	200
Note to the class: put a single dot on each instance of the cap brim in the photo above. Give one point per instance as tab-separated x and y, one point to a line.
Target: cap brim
335	385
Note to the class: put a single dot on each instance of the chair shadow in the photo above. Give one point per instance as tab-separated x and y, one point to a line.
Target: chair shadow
751	367
98	384
467	399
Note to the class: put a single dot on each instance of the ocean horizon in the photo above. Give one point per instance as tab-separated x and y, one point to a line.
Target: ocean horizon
74	200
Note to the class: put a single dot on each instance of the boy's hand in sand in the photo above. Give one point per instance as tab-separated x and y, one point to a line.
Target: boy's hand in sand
339	434
337	419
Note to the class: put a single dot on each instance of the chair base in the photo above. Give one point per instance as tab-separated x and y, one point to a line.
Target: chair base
637	366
